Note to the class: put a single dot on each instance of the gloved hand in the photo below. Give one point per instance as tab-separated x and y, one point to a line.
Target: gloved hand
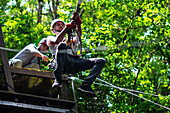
70	25
76	18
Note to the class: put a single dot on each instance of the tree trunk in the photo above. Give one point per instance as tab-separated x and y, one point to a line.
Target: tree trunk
40	4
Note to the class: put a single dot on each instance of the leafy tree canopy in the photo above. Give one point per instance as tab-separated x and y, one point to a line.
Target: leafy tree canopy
133	37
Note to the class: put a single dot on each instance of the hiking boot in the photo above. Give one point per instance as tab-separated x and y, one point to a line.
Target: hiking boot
56	84
87	90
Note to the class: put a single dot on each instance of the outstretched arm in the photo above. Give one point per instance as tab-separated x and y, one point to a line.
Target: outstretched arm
39	54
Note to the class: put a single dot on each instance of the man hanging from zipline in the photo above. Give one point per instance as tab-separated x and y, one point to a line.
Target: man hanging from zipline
66	61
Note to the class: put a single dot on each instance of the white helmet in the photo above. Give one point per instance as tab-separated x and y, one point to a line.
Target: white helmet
54	21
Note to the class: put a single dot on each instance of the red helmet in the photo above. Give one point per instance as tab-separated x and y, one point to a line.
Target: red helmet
43	41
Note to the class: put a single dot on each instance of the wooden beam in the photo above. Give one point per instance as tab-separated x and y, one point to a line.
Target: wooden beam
21	107
36	100
6	69
64	91
32	72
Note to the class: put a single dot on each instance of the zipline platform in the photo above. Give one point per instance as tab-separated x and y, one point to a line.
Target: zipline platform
23	102
28	90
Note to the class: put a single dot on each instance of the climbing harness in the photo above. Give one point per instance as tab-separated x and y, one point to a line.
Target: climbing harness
77	47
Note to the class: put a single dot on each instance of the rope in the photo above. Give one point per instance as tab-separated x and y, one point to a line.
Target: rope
127	90
104	48
123	89
7	49
132	93
14	50
149	100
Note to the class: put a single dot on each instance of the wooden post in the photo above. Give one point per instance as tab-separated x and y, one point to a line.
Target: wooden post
5	64
64	91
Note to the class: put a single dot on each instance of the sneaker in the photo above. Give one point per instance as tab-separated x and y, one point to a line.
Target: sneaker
86	89
56	84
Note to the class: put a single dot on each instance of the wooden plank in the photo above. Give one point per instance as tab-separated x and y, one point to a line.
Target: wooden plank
5	64
21	107
34	72
36	100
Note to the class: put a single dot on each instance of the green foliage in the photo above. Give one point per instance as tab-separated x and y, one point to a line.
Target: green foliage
135	34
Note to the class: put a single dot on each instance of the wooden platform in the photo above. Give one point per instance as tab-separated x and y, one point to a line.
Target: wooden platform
23	102
13	100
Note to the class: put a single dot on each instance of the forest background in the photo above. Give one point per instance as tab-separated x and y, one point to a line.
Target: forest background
132	35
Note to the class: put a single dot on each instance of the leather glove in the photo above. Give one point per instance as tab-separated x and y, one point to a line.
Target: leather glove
76	18
70	25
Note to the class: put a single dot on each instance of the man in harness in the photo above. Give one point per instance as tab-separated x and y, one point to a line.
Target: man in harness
30	55
66	61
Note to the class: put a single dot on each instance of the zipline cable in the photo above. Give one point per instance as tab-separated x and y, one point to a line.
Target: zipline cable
132	93
124	89
149	100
